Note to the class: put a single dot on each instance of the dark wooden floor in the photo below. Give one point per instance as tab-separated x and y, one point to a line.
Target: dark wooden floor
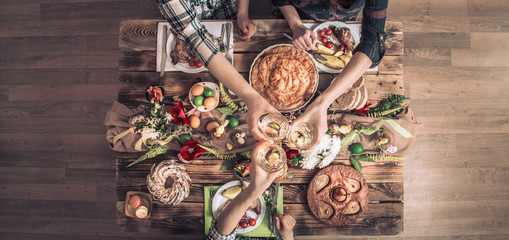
58	74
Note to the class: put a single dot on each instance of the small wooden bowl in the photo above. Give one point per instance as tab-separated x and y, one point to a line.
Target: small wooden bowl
146	200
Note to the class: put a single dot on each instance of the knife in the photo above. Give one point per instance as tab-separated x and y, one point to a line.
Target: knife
163	52
274	207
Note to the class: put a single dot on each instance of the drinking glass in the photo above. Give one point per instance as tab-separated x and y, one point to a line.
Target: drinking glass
271	157
301	136
274	126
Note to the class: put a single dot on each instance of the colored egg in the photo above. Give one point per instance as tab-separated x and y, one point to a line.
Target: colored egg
194	121
356	148
207	92
197	90
198	101
233	122
210	103
212	125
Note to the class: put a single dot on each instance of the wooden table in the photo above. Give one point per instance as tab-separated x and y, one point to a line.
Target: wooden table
137	66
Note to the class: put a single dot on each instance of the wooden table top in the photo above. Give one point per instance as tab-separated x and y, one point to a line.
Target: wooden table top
137	69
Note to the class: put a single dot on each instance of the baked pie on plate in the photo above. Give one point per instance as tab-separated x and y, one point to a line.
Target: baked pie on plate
284	75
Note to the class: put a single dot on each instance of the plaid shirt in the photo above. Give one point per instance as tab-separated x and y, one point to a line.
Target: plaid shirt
373	21
184	15
215	235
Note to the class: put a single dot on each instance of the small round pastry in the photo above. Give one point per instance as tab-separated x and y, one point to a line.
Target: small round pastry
134	201
141	212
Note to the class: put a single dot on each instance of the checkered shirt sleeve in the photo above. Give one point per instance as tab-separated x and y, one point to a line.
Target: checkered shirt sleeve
215	235
184	21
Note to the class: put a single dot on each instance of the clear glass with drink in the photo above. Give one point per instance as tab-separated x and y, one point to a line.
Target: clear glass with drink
271	157
274	126
301	136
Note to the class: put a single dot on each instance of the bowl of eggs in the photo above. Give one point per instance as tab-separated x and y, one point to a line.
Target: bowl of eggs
204	96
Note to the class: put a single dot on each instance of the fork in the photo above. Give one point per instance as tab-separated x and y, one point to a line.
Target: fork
212	193
228	36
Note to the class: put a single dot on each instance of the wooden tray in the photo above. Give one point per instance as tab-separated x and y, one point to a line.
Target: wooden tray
337	175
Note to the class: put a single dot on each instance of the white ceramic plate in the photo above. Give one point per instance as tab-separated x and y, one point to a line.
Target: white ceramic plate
184	67
355	39
210	85
213	28
219	202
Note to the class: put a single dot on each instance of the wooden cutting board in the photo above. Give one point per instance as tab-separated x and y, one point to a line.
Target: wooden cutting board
325	202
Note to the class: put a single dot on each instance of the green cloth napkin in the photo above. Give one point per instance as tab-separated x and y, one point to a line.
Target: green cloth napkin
261	231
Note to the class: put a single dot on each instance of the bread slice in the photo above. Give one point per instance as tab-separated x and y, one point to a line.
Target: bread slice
357	99
345	100
364	97
357	84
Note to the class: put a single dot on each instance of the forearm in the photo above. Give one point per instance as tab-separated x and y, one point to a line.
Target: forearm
243	9
291	16
231	215
357	66
226	74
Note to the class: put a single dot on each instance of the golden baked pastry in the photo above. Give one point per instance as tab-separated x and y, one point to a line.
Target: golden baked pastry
285	76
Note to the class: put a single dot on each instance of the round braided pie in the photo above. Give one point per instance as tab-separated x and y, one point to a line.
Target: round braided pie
285	76
168	182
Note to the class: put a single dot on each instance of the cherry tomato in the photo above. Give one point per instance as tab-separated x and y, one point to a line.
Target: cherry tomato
328	32
252	221
329	45
244	224
342	48
324	40
243	216
321	33
192	55
192	64
198	64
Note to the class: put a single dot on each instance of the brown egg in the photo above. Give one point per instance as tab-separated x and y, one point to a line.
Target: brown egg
212	125
197	90
194	121
210	103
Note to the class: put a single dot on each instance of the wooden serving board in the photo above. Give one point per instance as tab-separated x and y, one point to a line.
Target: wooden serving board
320	196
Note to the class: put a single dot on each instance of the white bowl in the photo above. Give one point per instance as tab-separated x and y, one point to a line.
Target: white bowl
210	85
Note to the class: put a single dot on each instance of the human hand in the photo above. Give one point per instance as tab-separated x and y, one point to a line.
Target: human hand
260	180
246	28
256	107
303	38
285	224
316	115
